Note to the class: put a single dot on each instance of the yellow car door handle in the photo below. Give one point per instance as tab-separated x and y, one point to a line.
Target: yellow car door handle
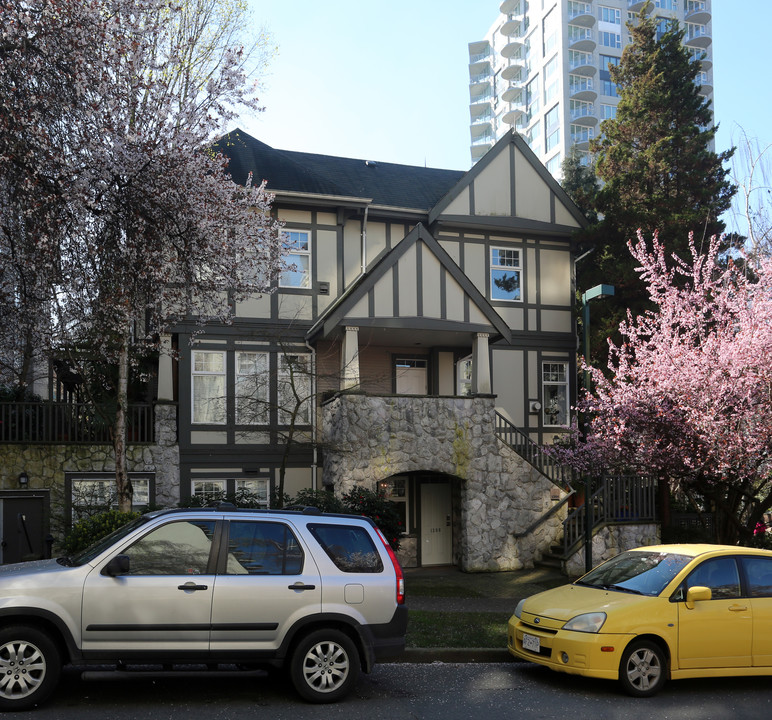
737	608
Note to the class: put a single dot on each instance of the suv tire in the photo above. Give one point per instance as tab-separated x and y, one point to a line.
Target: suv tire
29	667
324	666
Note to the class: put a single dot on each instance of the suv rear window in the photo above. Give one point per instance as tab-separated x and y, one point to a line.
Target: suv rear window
349	547
262	548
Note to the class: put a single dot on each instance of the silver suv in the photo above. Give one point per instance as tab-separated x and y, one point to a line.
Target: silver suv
319	594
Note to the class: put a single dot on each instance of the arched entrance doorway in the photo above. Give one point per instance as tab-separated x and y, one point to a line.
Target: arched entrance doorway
428	505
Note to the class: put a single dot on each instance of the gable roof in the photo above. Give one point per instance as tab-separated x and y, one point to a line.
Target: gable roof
509	188
354	305
385	184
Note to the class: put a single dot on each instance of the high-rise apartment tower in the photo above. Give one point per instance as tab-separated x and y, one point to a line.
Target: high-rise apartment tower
542	68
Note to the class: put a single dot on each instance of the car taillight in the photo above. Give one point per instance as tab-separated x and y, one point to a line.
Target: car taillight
397	569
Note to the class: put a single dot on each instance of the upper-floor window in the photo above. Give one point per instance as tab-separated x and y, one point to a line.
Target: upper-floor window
553	164
505	274
298	272
555	389
607	112
294	389
610	39
668	4
610	15
251	388
208	387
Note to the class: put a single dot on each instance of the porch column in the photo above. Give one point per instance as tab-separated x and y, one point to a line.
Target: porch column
349	358
481	365
165	386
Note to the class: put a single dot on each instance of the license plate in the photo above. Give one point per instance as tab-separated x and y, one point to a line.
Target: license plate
531	642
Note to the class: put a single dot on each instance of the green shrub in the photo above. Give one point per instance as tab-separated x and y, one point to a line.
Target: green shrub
383	512
89	530
322	499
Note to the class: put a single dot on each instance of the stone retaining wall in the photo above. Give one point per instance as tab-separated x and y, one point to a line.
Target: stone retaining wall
612	540
46	465
369	438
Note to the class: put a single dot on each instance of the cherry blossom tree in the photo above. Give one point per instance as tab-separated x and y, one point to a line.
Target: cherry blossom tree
110	108
689	393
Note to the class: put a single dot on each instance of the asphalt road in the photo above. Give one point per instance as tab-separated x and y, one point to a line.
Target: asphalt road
436	690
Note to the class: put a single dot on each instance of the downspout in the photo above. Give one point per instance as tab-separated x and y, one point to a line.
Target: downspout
315	461
364	241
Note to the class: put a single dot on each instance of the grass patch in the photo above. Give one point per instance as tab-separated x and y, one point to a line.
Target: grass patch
429	628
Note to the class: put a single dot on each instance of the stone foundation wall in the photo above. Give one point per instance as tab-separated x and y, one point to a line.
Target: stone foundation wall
47	465
369	438
612	540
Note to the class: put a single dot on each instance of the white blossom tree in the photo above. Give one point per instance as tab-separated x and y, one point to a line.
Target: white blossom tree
134	221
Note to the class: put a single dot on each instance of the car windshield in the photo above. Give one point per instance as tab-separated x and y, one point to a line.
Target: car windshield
87	555
639	572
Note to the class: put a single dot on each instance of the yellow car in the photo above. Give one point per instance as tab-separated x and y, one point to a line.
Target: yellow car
678	611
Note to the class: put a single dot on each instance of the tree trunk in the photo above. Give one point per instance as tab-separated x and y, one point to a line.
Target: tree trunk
122	483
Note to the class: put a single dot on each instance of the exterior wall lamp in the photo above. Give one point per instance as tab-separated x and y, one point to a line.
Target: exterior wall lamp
23	480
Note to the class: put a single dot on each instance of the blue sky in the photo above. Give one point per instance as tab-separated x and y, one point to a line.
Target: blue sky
388	81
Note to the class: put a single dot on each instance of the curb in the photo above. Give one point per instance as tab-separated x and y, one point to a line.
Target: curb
454	655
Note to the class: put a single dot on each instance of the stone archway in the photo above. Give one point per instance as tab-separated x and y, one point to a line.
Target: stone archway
368	439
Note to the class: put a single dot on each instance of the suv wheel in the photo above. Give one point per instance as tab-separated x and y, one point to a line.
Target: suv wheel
29	667
324	666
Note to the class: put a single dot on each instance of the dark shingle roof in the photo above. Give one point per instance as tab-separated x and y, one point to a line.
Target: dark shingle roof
404	186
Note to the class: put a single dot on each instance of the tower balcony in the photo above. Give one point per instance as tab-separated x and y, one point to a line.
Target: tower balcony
513	49
508	6
512	93
583	113
581	39
581	87
696	11
515	112
513	71
582	63
697	36
635	5
513	27
580	13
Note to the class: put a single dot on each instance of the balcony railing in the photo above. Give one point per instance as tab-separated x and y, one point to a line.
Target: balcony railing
622	499
527	449
59	422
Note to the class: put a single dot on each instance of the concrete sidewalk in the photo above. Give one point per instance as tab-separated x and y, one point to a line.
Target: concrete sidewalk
447	589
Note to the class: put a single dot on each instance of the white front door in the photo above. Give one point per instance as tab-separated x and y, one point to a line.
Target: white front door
436	526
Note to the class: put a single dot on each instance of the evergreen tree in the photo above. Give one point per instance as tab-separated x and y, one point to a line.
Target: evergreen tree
655	157
580	182
658	169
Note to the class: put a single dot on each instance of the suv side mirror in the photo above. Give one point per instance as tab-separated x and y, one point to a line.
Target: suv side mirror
119	565
697	593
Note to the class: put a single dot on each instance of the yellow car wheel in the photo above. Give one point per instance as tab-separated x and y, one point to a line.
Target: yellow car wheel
643	669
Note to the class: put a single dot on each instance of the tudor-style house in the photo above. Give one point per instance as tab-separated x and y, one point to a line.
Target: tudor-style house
423	337
420	341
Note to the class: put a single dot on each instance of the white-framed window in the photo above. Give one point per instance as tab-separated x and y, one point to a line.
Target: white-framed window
252	379
208	387
505	274
252	490
551	79
609	15
90	495
609	39
294	385
553	164
607	112
298	260
464	376
555	393
206	491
